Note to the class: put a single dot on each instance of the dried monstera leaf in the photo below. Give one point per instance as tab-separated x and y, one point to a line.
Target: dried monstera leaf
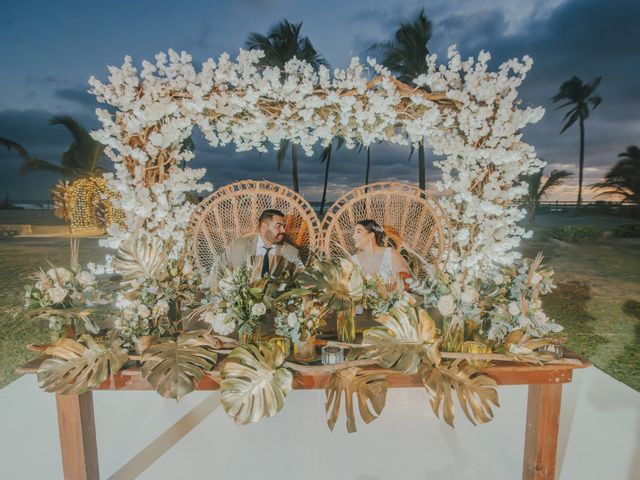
475	390
338	285
254	384
174	367
79	366
370	390
405	337
140	258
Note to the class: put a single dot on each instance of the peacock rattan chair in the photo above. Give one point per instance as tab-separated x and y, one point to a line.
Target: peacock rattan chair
232	212
411	219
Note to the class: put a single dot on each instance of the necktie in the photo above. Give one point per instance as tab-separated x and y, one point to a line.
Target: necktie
265	261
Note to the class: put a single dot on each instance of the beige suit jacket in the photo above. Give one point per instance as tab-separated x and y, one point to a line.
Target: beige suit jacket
243	251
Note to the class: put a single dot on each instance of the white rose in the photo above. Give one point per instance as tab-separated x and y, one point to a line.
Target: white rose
292	319
469	295
223	324
163	307
143	311
60	273
258	309
85	278
514	309
446	305
309	324
57	294
536	278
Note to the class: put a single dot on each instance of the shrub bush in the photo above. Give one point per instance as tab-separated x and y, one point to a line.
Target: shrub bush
627	230
573	233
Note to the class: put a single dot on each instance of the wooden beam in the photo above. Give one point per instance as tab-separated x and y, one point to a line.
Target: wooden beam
77	429
541	435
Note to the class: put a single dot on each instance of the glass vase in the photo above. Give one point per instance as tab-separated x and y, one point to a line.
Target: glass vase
305	350
346	326
253	336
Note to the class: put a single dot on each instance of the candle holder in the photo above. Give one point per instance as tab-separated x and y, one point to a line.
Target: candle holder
332	355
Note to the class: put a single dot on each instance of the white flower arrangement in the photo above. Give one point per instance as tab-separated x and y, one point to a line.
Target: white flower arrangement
295	315
60	296
479	138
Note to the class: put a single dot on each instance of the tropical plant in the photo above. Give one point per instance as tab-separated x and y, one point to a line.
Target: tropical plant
624	178
539	186
325	156
282	43
84	156
406	56
580	98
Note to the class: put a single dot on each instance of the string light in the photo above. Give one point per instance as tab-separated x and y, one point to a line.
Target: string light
86	204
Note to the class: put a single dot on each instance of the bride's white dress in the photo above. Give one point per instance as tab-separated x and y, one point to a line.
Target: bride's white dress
386	266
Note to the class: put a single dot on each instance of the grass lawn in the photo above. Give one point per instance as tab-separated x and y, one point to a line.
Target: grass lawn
597	299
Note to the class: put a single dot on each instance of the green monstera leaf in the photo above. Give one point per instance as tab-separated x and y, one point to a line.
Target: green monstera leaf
78	366
254	384
174	367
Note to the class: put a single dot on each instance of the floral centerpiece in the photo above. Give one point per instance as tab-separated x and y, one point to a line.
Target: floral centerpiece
62	297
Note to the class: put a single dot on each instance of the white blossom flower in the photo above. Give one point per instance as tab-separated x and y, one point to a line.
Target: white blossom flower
85	278
446	305
292	319
57	294
143	311
258	309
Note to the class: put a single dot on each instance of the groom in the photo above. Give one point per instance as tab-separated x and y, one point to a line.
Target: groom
266	252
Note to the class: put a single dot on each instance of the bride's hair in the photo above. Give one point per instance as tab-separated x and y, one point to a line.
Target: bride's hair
374	227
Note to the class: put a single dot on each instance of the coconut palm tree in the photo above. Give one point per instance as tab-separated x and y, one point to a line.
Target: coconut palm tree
623	178
325	156
539	186
84	156
406	56
580	98
281	44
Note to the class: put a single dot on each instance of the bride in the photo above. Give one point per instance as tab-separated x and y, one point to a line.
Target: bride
374	257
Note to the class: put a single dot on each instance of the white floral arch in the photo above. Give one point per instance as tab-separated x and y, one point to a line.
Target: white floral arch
473	119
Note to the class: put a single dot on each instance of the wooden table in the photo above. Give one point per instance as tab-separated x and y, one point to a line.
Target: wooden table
78	432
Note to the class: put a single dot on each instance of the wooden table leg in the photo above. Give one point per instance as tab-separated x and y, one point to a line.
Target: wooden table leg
541	435
77	428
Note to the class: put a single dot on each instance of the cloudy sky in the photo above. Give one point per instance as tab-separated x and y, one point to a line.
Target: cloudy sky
49	50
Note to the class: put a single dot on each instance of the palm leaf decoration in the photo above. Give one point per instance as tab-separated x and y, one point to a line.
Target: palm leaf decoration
405	337
174	367
475	390
254	385
523	348
338	285
79	366
143	257
370	390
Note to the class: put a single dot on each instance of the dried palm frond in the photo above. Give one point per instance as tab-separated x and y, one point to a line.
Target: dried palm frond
174	367
254	385
475	390
370	390
59	197
79	366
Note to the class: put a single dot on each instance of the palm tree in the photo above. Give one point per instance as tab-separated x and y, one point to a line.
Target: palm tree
282	43
359	148
84	156
540	186
581	99
624	177
406	56
325	156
